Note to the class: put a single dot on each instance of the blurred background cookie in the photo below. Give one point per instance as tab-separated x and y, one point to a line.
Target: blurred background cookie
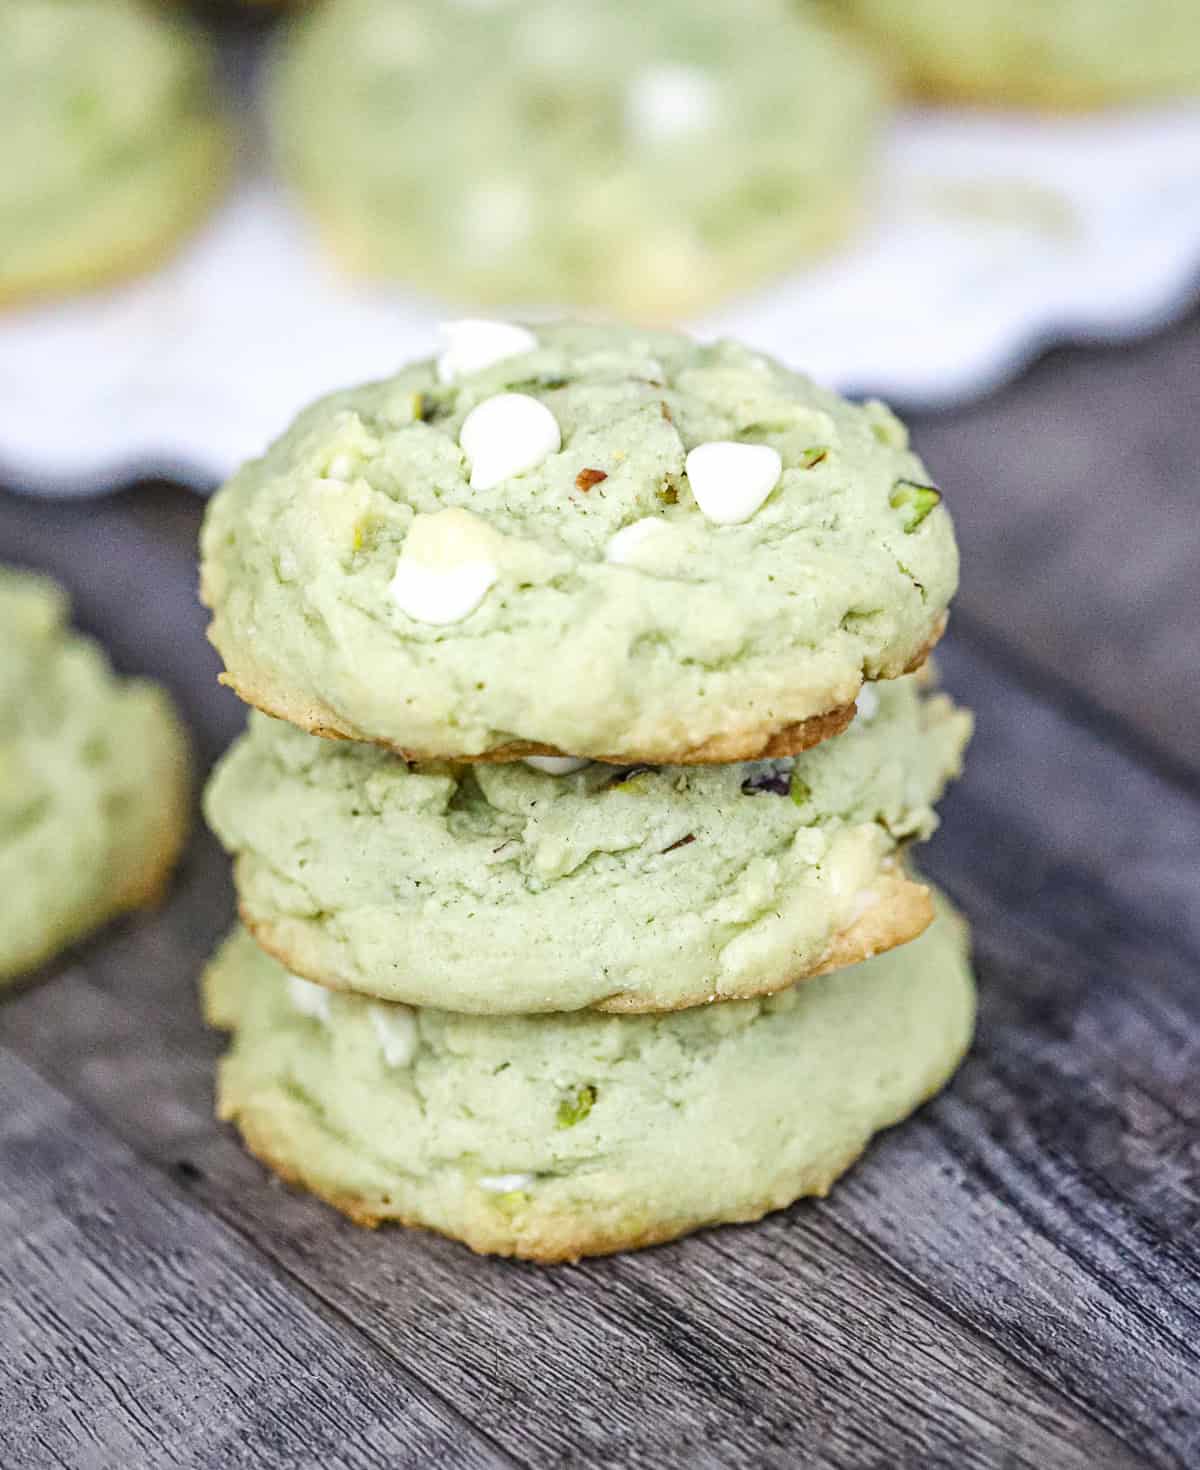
110	144
645	159
1058	53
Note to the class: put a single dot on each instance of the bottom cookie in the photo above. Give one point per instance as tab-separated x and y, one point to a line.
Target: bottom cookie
562	1136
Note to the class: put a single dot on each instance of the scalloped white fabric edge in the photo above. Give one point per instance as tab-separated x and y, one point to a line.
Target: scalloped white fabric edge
991	237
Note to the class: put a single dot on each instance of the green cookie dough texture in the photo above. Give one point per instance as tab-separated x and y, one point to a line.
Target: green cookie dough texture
713	642
648	159
110	149
93	781
500	889
564	1136
1072	53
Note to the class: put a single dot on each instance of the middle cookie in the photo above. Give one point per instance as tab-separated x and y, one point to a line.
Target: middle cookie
526	887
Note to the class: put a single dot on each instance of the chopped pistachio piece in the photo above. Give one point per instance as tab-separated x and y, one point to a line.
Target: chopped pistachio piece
511	1203
575	1108
916	501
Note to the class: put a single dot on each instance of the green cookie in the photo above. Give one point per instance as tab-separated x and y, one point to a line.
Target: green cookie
648	159
559	1137
1072	53
110	149
504	889
93	781
589	540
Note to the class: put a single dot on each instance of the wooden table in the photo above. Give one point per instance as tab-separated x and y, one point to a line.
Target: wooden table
1009	1280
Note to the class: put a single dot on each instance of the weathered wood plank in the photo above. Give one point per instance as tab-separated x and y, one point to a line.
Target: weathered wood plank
1075	494
138	1331
1069	1144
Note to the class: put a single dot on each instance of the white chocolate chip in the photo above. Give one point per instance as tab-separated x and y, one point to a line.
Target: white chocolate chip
396	1031
623	546
472	346
671	101
309	999
730	481
506	1183
446	567
441	595
867	700
505	436
557	765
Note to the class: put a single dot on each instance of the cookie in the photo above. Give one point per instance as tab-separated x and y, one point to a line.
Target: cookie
646	159
555	1137
587	540
93	781
1073	53
511	889
110	148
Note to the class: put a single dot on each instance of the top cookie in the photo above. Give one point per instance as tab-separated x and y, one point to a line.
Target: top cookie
647	158
592	540
1072	53
110	147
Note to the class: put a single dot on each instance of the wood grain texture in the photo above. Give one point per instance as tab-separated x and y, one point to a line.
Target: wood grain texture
138	1331
1076	494
1012	1279
1069	1151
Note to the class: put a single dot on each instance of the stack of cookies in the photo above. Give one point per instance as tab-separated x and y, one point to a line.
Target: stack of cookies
570	842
